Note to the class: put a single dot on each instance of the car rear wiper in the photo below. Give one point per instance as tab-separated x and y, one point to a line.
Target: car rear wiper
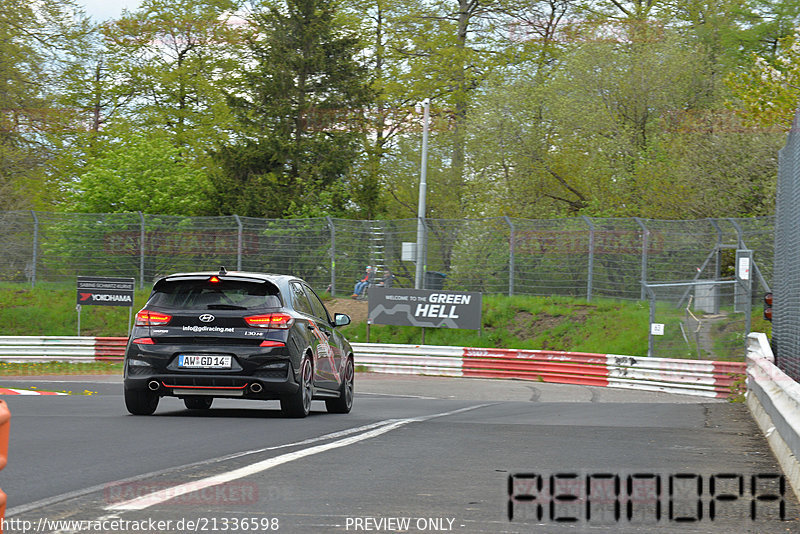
225	307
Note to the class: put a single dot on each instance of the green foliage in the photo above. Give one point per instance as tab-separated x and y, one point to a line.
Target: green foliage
300	101
38	42
172	61
769	90
299	108
146	174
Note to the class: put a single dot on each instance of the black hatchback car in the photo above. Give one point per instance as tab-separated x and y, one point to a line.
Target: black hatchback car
237	335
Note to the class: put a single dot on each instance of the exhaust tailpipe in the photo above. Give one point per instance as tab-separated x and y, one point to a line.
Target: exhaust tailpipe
255	387
153	385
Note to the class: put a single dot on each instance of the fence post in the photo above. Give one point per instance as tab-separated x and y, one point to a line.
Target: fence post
141	250
333	254
738	229
717	262
590	275
511	244
756	271
743	245
238	243
650	341
645	248
35	257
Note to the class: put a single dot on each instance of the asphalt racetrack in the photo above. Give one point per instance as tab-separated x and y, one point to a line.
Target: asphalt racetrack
417	454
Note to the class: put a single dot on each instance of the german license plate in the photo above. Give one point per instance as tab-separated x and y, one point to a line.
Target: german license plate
203	361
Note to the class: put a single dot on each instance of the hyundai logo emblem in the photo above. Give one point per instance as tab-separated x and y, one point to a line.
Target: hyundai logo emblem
206	318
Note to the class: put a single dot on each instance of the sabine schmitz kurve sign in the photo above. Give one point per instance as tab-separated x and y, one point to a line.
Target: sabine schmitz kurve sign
424	307
105	291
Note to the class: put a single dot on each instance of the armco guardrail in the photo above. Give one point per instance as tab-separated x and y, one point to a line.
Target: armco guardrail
774	400
690	377
65	349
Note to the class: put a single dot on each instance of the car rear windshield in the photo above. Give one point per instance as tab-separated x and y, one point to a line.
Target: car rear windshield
222	295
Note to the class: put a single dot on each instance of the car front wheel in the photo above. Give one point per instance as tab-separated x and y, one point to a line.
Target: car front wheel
298	404
346	390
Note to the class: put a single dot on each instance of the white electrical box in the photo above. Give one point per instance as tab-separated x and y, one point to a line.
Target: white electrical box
409	251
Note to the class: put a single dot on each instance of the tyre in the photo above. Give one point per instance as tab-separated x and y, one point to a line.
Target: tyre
141	402
198	403
345	401
298	404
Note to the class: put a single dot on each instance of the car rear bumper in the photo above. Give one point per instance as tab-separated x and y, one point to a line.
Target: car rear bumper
234	386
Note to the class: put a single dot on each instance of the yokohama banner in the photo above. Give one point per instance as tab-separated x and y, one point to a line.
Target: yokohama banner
104	291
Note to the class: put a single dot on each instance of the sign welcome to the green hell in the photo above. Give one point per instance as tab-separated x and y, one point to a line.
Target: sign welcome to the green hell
424	308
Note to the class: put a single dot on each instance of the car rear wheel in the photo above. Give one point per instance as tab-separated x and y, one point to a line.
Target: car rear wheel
345	401
198	403
141	402
298	404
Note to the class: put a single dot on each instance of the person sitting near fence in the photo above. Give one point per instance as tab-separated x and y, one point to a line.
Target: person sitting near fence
369	275
387	280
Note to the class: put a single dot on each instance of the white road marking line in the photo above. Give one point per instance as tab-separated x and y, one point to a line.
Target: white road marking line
24	508
161	496
399	396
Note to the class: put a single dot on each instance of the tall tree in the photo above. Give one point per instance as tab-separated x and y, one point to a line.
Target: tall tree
171	61
301	103
37	43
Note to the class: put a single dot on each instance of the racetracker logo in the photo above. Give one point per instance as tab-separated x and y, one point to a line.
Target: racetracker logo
230	493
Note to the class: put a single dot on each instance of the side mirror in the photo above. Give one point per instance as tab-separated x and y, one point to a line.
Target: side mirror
341	319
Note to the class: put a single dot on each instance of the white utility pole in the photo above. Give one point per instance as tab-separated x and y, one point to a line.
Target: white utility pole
423	186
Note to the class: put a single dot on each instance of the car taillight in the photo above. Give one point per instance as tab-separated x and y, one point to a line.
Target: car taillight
270	320
144	341
149	318
270	343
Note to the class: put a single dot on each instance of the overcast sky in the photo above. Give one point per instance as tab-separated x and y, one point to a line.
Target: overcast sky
101	10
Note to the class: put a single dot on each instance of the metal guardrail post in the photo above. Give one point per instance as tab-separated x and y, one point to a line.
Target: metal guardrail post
645	248
141	250
332	227
238	243
511	245
35	254
590	274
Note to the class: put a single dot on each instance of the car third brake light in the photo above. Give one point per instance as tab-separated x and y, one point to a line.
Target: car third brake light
270	320
149	318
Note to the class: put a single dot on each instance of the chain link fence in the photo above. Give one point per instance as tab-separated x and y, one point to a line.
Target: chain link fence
786	298
581	257
705	319
683	268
